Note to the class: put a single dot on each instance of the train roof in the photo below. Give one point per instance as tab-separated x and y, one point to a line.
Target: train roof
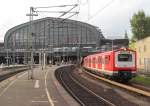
127	49
107	52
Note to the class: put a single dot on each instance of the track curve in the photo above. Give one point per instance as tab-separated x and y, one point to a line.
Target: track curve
83	95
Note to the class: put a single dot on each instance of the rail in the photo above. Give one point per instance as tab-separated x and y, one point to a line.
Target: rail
135	90
82	94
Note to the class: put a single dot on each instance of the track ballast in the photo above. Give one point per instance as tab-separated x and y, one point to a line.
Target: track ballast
82	94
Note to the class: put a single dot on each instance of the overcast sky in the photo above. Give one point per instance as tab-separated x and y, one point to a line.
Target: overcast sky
111	16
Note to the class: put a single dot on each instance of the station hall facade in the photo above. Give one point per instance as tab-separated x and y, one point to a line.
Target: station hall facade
59	39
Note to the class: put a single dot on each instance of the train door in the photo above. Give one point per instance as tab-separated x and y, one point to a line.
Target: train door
107	63
86	64
99	62
89	62
94	62
103	63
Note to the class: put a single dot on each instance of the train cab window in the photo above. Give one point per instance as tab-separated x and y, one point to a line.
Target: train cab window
124	57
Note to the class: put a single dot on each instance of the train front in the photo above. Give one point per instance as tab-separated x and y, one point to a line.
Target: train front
125	63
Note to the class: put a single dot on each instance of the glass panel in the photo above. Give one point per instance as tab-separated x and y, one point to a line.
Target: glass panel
124	57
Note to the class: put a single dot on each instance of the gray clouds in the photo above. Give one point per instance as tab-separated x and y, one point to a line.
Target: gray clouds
113	20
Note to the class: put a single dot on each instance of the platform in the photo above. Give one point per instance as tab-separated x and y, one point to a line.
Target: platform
44	90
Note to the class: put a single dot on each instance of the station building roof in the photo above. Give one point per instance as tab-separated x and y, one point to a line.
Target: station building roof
51	31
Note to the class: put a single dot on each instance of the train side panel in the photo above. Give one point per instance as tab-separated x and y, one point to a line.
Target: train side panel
99	62
108	63
93	62
113	63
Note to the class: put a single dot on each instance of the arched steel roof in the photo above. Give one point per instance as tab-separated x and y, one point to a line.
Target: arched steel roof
10	31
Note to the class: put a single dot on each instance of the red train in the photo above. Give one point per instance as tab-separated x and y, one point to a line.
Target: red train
117	64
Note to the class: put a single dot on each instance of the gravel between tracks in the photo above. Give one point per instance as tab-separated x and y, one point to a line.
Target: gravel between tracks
84	96
101	89
125	95
115	96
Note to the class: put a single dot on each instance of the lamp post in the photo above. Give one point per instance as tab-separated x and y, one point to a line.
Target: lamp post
31	34
51	52
7	58
112	44
79	46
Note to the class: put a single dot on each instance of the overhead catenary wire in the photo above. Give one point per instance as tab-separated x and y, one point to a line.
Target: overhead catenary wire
62	21
70	16
35	9
64	12
56	6
69	10
100	10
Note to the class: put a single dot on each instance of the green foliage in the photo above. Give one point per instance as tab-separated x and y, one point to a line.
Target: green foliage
142	80
147	26
132	45
140	25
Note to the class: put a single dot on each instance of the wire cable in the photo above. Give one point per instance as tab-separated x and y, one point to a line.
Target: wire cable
100	10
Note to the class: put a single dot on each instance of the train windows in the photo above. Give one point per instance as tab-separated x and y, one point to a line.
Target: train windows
94	60
99	59
125	57
107	58
89	60
86	61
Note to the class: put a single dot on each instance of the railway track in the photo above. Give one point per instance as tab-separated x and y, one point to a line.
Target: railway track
139	86
124	86
83	95
10	73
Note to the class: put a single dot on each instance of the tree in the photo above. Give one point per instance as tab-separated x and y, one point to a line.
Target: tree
147	26
138	25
